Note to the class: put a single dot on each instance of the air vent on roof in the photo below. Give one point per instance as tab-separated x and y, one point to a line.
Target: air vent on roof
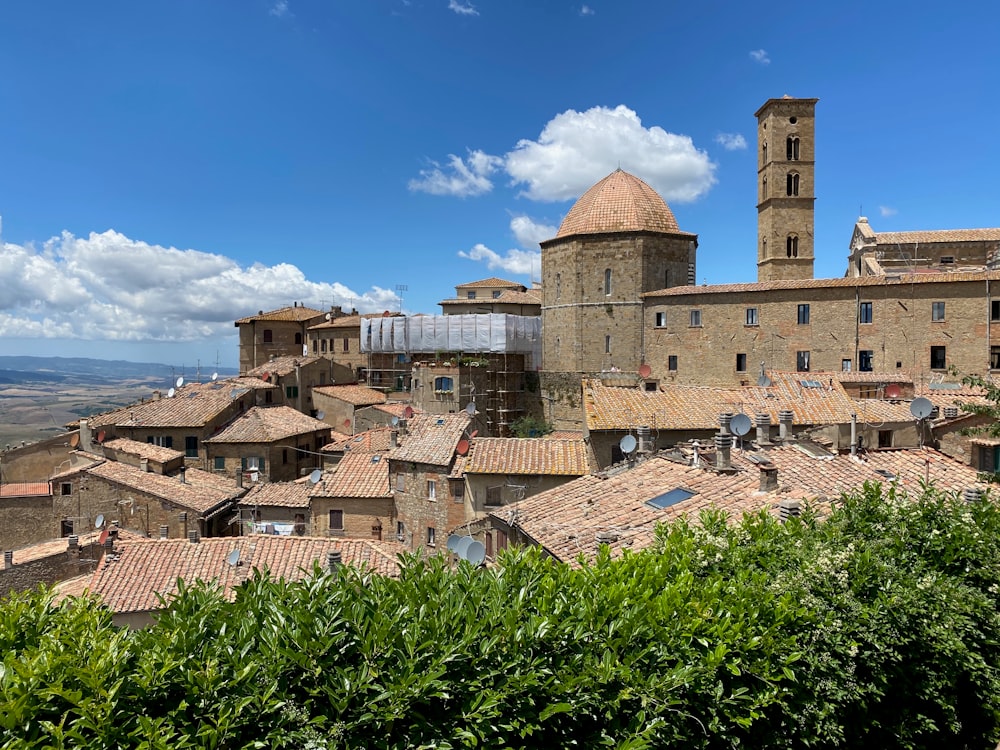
885	473
674	496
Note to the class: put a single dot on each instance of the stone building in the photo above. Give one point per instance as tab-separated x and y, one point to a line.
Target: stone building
355	500
493	295
618	241
25	509
278	333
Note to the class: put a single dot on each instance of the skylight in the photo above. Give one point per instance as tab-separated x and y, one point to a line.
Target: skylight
674	496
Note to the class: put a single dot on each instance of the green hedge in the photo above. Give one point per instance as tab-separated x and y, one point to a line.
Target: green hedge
875	628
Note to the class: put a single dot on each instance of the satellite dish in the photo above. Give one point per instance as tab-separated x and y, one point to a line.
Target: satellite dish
473	435
234	558
463	447
215	376
893	391
628	443
408	412
315	476
170	393
101	436
764	381
99	521
453	540
475	552
347	423
470	408
328	316
462	545
645	370
74	440
180	381
921	408
265	377
320	414
740	424
395	421
102	538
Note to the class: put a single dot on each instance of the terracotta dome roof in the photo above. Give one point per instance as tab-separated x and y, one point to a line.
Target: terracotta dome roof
619	203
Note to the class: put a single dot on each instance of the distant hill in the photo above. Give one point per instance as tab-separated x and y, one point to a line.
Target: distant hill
21	370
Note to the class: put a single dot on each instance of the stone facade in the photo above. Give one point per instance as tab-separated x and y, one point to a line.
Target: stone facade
62	563
26	520
362	518
428	504
278	333
786	189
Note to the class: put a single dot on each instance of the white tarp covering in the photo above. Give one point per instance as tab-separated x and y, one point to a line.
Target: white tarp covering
426	334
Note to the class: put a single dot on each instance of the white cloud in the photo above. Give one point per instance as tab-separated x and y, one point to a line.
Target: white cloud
760	55
466	9
515	261
463	178
586	10
529	233
279	8
575	149
887	211
107	287
731	141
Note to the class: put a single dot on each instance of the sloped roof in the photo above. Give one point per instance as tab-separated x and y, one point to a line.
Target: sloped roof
142	450
352	321
281	366
200	491
278	495
530	456
692	407
431	439
621	202
375	440
188	408
357	475
356	395
268	424
938	235
147	568
24	489
491	283
567	519
294	314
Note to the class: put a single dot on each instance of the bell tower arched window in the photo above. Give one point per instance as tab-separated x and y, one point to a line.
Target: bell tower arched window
792	148
764	152
607	281
792	246
792	184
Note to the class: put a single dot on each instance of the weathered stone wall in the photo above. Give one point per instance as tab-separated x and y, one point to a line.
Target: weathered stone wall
48	570
417	511
361	517
26	520
35	462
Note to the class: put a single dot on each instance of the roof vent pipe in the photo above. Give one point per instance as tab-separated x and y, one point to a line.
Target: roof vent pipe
8	559
193	536
393	439
723	448
768	477
164	531
785	418
74	541
789	509
724	420
854	434
333	560
972	494
181	476
645	443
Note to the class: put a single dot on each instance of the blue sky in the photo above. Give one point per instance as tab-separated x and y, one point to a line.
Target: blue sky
169	166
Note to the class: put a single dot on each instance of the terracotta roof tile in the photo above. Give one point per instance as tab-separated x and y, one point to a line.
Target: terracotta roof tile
268	424
24	489
142	450
284	314
431	439
141	570
896	376
280	366
620	202
551	457
566	520
200	491
351	321
356	395
357	475
375	440
491	283
278	495
188	408
938	235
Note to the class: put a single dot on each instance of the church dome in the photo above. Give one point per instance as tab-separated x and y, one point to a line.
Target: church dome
619	203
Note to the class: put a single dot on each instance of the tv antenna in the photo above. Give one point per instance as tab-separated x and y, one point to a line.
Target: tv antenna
400	288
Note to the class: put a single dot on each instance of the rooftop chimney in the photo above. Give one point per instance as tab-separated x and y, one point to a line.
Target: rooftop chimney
854	434
789	509
74	541
645	441
972	494
768	477
393	439
8	559
193	536
181	477
763	422
724	420
723	451
144	464
164	531
785	418
333	560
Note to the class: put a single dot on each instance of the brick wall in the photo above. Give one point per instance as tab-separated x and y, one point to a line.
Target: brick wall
417	511
361	516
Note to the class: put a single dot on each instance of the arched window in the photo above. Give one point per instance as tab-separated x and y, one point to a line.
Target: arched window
298	339
268	336
792	246
607	281
792	186
763	248
765	153
792	148
764	189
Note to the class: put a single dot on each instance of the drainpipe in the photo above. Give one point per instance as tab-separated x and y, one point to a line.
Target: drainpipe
854	434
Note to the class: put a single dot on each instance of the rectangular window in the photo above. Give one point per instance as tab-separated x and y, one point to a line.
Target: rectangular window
845	365
191	446
336	520
803	316
672	362
400	482
661	319
431	489
324	344
885	438
496	294
66	488
995	357
347	345
751	316
400	531
458	491
220	463
802	361
470	295
938	358
291	391
252	463
607	345
284	455
164	441
494	495
431	536
865	312
696	318
937	311
741	362
995	309
865	360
